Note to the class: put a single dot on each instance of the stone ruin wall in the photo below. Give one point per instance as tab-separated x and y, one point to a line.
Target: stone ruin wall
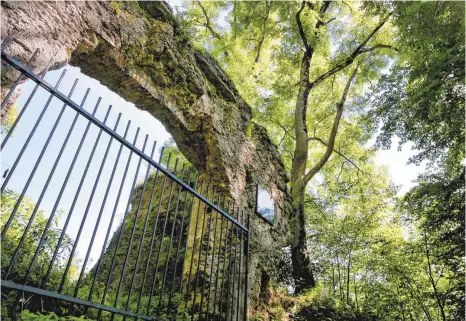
138	51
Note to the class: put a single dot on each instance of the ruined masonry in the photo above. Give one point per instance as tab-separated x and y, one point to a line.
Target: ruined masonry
138	51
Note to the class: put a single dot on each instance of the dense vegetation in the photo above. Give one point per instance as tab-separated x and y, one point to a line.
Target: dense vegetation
324	78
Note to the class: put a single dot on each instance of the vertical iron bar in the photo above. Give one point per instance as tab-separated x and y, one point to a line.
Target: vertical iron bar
99	216
167	216
218	263
18	118
54	210
154	187
144	230
232	270
213	256
107	284
154	233
91	198
10	173
224	264
190	219
188	296
107	235
239	238
31	134
171	238
199	259
36	207
227	290
128	249
18	80
28	182
230	265
180	239
246	268
62	234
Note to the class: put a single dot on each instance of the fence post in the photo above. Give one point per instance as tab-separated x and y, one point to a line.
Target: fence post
246	272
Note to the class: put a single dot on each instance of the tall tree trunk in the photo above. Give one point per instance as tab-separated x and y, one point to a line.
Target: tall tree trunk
302	271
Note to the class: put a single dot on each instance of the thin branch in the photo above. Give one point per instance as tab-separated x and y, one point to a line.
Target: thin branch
347	6
324	7
264	25
378	46
286	130
300	27
289	152
336	151
322	10
207	23
333	133
324	215
349	60
281	140
328	21
318	123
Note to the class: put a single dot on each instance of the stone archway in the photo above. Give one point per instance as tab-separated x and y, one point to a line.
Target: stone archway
138	51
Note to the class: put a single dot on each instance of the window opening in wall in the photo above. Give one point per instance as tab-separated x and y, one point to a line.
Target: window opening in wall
265	205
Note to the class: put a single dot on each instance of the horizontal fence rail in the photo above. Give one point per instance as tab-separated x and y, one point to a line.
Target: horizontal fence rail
93	226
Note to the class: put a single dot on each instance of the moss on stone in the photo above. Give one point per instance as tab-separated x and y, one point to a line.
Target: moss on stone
248	130
117	6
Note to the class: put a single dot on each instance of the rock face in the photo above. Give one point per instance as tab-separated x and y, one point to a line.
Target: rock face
138	51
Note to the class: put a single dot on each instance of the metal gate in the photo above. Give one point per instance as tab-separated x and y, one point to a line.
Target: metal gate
175	254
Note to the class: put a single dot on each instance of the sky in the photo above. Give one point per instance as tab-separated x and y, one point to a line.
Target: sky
396	162
148	126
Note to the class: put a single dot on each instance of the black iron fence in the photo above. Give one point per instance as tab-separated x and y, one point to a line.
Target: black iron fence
178	251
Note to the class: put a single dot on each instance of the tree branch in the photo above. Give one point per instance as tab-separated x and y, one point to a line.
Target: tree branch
300	27
334	131
324	7
322	10
378	46
349	60
347	5
319	122
328	21
264	25
207	23
300	156
338	152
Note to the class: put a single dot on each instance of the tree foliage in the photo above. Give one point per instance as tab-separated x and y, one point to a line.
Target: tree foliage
422	99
